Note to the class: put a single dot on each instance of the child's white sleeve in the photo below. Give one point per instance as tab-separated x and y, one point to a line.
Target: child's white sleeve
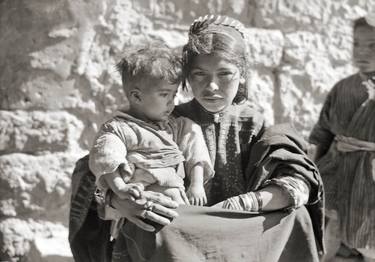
193	146
107	153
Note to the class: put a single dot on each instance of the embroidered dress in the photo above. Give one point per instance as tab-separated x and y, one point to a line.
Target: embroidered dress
347	127
230	136
153	150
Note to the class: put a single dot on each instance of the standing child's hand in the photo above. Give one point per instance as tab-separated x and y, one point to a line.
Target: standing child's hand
197	195
121	189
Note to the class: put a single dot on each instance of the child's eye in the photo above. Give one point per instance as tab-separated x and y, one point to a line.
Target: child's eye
164	94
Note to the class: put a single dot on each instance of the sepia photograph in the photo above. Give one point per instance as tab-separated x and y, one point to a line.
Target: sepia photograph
187	130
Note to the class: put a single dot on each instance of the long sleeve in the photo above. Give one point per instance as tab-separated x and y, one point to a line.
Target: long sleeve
108	152
297	188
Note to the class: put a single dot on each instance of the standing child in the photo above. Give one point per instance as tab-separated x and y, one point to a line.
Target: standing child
345	139
145	147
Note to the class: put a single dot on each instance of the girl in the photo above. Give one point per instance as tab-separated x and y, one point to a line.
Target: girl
257	168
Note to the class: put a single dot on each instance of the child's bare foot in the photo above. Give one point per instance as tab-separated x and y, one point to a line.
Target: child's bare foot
196	195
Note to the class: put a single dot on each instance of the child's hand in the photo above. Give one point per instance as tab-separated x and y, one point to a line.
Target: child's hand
135	190
121	189
196	195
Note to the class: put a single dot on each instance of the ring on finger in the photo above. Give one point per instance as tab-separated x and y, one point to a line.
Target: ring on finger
143	214
149	205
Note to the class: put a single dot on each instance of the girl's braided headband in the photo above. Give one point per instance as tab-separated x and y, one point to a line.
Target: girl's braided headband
202	23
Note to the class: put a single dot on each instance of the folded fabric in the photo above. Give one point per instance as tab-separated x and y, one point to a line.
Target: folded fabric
213	234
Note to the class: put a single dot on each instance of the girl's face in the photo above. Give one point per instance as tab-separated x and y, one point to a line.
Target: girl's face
214	81
364	48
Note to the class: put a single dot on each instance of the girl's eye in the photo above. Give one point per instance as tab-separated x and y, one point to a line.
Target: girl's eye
198	73
163	94
198	76
227	75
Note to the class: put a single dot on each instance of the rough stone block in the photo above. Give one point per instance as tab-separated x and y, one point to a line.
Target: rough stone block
261	92
15	238
184	12
59	58
302	106
338	37
301	46
289	15
32	132
34	240
36	186
265	47
295	105
323	75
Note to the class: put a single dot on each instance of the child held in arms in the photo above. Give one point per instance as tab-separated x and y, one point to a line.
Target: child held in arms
144	147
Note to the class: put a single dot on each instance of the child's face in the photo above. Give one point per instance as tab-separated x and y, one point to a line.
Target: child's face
364	48
214	82
157	99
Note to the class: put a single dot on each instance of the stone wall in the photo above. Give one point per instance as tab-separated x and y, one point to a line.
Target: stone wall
58	83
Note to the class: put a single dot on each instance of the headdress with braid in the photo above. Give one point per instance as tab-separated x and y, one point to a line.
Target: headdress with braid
208	34
202	23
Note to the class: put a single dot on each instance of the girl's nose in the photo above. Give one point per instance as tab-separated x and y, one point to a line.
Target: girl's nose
213	84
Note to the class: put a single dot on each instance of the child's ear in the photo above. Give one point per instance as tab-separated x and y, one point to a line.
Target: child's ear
135	96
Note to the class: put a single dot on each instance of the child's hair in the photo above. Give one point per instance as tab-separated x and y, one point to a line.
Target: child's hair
222	36
360	22
367	21
153	60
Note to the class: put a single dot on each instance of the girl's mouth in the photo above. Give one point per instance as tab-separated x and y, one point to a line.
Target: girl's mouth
212	97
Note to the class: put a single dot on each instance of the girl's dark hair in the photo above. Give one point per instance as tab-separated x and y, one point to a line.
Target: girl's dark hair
153	60
221	36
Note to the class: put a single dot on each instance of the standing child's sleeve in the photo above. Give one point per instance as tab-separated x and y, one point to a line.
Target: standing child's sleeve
193	146
108	152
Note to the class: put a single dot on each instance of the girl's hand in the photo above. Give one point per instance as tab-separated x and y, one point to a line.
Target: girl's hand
196	195
153	207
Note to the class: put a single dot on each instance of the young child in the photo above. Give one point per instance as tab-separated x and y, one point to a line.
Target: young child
144	146
345	139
